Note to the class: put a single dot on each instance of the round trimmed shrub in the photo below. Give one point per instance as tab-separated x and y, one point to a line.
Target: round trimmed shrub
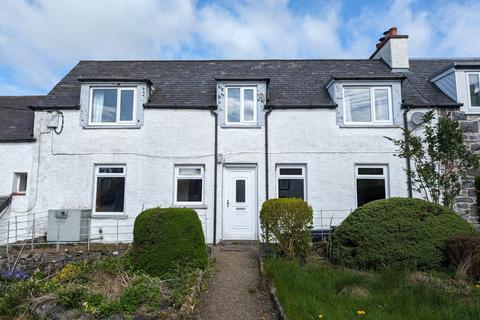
287	222
397	233
164	239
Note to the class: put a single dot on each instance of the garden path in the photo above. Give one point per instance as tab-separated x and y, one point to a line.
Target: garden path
234	290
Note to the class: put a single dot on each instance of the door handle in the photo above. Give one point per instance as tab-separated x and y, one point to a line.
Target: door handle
228	203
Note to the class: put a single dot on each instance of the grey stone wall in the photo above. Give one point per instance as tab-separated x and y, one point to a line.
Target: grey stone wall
466	203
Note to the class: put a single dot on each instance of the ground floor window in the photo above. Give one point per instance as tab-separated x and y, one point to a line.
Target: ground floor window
109	189
291	181
371	183
20	183
189	184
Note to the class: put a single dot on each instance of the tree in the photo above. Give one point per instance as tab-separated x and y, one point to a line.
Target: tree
439	157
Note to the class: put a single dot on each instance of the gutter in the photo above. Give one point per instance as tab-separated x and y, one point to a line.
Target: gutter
178	107
426	105
303	106
215	172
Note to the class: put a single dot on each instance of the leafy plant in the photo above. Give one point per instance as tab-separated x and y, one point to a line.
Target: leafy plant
287	221
464	253
397	233
440	159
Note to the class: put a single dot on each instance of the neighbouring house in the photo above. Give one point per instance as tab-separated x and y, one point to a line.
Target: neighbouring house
222	136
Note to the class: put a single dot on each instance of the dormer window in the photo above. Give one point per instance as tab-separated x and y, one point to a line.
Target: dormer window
474	89
367	105
241	105
112	106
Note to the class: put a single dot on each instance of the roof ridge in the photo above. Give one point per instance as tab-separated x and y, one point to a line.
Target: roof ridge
227	60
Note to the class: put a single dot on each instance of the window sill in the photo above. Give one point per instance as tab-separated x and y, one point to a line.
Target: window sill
369	126
190	206
240	126
106	216
106	126
473	112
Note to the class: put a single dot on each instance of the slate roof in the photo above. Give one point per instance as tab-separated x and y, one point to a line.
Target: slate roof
291	82
16	118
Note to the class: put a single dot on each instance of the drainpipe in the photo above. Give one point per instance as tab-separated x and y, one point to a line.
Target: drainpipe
215	114
267	113
409	166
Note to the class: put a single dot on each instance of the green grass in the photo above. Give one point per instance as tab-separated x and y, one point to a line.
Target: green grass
308	291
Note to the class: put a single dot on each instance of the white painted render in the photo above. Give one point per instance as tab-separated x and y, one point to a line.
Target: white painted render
395	53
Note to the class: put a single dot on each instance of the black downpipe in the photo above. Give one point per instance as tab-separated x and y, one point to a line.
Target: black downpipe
215	114
409	166
267	113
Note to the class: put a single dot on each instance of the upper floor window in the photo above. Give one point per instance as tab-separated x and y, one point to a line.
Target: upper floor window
241	105
367	105
112	105
474	89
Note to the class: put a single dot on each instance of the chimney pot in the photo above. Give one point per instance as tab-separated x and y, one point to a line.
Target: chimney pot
392	31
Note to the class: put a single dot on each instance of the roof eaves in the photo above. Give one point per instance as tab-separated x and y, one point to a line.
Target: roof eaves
109	79
431	105
303	106
182	107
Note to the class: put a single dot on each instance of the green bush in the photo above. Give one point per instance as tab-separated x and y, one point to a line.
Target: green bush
287	221
164	238
397	233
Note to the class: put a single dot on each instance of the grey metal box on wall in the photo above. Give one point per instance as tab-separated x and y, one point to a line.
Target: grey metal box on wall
68	225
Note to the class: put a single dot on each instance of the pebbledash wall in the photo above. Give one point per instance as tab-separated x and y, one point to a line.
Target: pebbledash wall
167	137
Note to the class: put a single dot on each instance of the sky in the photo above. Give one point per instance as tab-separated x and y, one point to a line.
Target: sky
41	40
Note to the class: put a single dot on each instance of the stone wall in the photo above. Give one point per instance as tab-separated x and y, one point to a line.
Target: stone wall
47	261
466	203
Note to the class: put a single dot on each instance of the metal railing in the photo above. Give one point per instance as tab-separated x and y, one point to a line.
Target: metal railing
327	219
30	231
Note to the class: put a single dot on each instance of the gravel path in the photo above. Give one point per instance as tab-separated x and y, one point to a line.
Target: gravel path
233	290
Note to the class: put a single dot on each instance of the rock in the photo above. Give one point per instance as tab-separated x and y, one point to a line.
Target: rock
43	306
116	317
471	126
355	291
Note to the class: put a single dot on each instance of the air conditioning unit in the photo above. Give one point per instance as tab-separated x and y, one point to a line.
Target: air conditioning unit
68	225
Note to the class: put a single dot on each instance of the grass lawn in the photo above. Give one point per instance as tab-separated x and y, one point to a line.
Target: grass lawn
319	291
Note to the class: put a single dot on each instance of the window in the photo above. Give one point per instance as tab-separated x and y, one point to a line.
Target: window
241	105
20	183
109	190
474	89
371	183
189	184
367	105
110	106
291	181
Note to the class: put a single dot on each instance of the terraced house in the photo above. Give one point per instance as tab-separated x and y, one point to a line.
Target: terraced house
222	136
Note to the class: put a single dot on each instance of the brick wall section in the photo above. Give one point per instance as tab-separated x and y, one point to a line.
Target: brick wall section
466	203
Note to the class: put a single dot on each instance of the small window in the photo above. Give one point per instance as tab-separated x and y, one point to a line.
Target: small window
291	181
474	89
241	105
240	191
367	105
20	183
189	184
112	106
109	190
371	183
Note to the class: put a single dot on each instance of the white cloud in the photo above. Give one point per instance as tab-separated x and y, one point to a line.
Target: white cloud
41	40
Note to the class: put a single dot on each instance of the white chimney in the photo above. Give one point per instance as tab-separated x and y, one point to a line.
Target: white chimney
393	49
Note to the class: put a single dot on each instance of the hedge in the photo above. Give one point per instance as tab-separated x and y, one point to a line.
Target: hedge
164	239
397	233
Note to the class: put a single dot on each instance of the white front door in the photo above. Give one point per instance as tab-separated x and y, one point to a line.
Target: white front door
240	204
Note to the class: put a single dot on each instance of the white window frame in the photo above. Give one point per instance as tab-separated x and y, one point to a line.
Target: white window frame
372	104
385	176
16	183
99	174
201	176
303	176
467	75
242	121
119	95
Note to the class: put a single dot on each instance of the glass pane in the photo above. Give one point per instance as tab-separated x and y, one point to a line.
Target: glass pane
110	170
291	171
189	190
104	105
381	105
22	182
474	86
357	105
240	191
189	171
290	188
377	171
369	190
110	194
233	105
248	105
126	105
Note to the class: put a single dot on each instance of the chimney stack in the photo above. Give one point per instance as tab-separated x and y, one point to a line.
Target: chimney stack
393	49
